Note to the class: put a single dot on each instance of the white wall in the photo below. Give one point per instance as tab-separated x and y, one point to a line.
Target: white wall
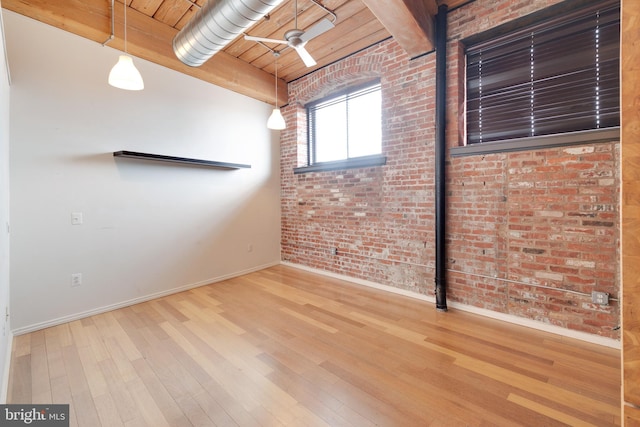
5	338
149	228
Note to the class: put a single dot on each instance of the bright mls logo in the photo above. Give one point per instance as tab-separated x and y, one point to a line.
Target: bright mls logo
34	415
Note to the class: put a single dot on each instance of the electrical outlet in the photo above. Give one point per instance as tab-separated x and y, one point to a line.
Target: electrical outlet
76	279
601	298
76	218
334	251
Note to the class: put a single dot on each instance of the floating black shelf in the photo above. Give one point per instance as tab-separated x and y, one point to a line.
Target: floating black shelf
185	160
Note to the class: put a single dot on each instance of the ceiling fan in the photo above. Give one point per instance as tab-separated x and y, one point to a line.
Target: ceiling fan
297	38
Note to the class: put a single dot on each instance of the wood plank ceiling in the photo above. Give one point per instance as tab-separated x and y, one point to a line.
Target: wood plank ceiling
245	66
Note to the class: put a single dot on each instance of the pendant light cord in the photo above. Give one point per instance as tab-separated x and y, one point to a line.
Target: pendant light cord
276	103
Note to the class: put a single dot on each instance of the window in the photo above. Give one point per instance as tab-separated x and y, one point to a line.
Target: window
551	78
345	126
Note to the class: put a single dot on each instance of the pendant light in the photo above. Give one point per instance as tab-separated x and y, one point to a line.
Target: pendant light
125	75
276	121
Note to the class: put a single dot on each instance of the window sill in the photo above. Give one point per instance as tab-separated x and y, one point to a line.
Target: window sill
356	162
538	142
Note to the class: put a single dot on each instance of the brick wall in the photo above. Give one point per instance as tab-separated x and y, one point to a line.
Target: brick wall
529	233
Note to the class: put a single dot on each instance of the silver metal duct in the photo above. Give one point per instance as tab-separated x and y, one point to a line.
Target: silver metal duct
216	24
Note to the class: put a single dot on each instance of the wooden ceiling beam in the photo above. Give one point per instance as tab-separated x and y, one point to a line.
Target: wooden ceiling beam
148	39
410	22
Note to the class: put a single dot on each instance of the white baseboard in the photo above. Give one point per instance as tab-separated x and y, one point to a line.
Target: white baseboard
583	336
569	333
104	309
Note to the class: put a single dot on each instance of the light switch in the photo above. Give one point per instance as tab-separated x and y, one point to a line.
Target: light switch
76	218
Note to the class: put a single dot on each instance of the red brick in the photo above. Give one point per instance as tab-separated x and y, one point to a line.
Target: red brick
502	209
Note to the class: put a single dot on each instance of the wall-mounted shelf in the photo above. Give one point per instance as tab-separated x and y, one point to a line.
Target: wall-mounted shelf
184	160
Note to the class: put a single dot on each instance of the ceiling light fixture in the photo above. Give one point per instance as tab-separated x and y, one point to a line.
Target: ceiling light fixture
125	75
297	38
276	121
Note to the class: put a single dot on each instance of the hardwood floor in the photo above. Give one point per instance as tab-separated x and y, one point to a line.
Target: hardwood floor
286	347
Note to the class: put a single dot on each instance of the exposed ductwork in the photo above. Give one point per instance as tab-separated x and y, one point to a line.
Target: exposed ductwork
215	25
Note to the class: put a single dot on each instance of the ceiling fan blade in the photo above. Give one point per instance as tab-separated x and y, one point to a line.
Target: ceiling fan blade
316	30
265	40
305	56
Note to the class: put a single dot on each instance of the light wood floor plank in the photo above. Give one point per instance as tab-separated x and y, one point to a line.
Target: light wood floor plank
151	413
122	399
551	413
61	393
54	354
161	387
107	411
20	379
81	399
285	347
207	366
22	345
109	327
40	383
